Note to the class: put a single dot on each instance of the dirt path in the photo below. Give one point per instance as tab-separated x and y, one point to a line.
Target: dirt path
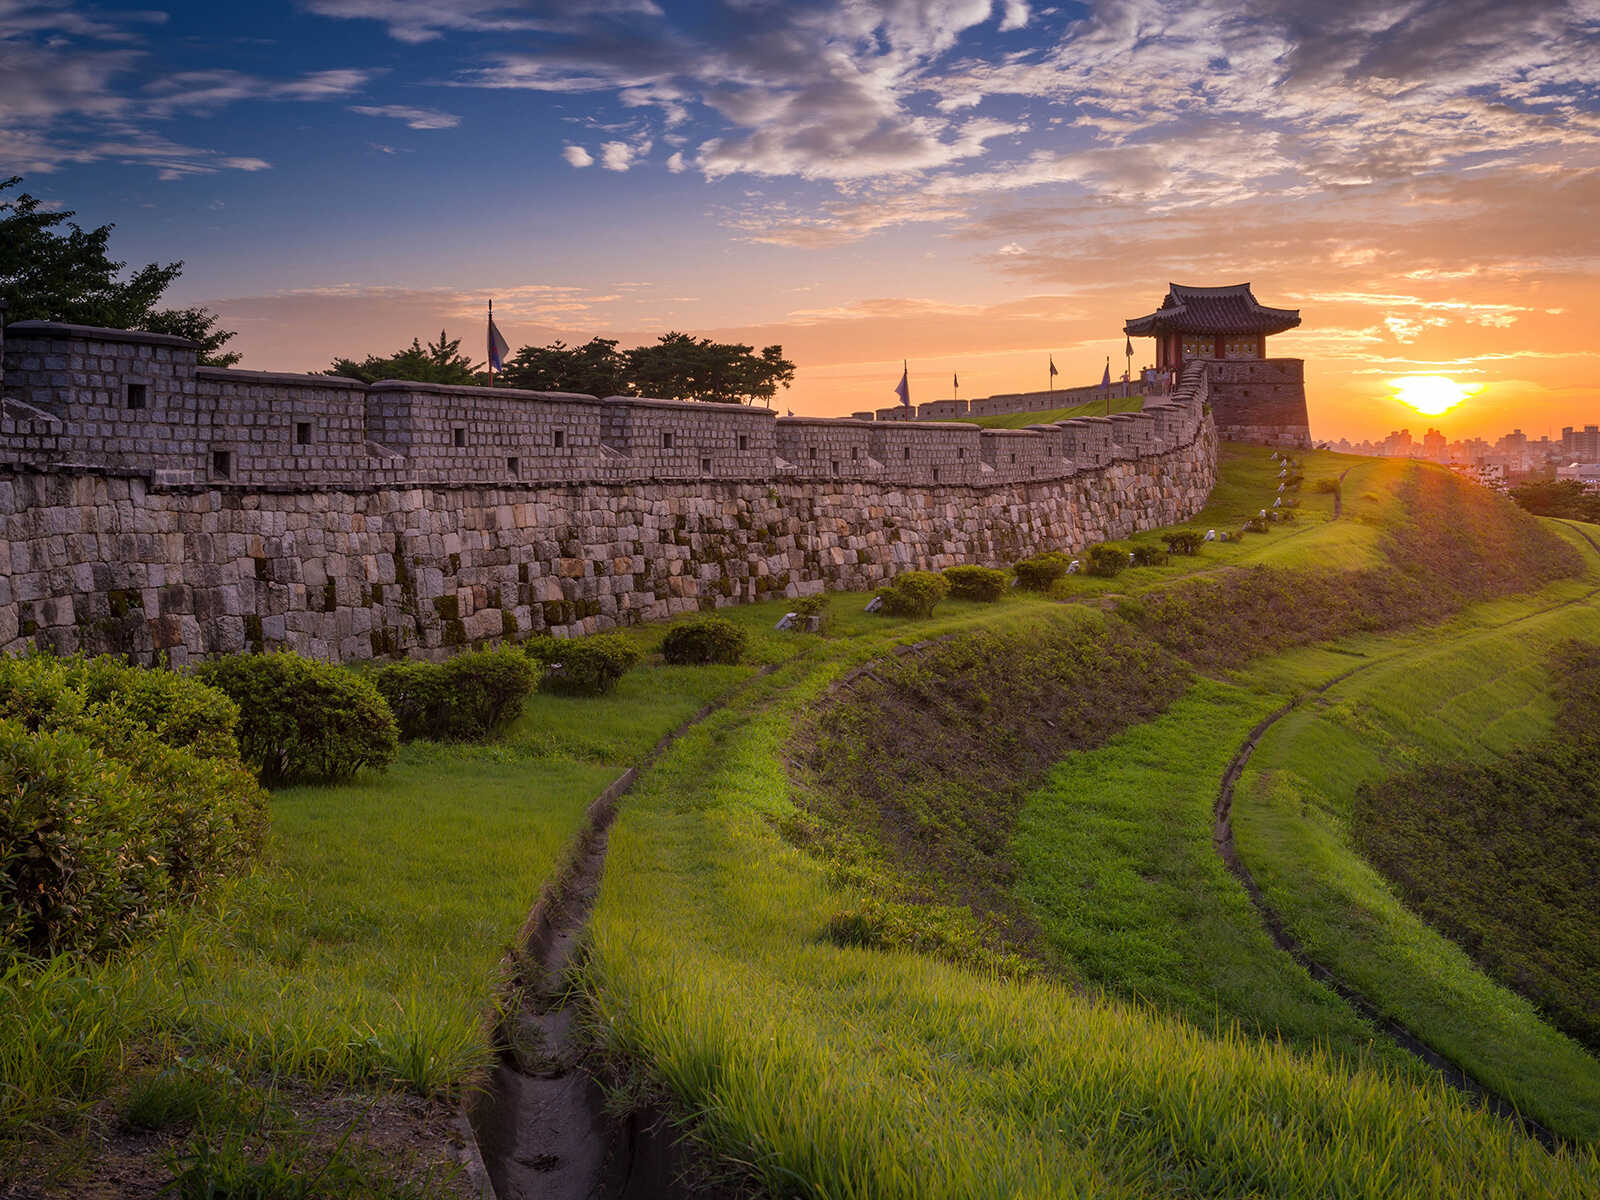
1222	835
542	1125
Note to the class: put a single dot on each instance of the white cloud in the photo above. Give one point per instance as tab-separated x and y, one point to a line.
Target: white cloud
1011	250
1014	16
675	162
577	156
417	21
617	156
415	118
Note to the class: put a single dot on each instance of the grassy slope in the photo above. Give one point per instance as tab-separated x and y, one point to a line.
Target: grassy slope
365	950
1476	694
890	1074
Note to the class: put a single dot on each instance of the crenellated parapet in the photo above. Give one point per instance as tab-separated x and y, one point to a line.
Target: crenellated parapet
164	511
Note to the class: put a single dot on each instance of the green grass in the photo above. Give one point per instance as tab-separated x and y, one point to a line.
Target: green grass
866	1072
1471	692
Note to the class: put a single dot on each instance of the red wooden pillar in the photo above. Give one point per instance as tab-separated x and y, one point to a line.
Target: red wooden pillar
1220	352
1261	345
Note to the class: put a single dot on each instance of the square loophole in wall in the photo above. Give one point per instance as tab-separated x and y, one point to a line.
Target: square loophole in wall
137	395
514	467
222	464
744	441
705	466
666	441
560	439
458	436
302	433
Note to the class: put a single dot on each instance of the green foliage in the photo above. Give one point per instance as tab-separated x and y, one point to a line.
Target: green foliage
301	719
1184	541
977	583
441	362
592	369
588	666
1558	498
50	275
680	367
1144	554
1106	560
1037	573
119	788
704	640
676	367
1576	670
469	698
913	594
946	931
812	608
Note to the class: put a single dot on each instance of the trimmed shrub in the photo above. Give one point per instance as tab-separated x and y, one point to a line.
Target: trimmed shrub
1255	525
588	666
302	720
1106	560
976	583
469	698
1146	555
1039	571
704	640
1184	541
913	594
120	788
813	608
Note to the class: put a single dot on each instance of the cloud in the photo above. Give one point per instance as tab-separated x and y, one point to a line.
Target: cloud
416	21
72	93
577	156
1011	250
415	118
616	156
675	162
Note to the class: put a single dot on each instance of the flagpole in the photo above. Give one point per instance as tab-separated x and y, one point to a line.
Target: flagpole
491	341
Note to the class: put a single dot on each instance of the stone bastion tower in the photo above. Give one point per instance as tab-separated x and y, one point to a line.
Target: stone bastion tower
1254	398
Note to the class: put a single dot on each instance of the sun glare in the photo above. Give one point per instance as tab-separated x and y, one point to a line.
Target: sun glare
1432	395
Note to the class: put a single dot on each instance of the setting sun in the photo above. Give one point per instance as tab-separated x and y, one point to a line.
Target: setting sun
1432	395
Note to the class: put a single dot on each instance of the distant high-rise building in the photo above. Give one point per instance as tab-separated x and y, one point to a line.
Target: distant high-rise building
1435	446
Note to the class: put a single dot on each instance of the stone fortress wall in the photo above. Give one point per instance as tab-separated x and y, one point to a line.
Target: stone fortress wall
155	508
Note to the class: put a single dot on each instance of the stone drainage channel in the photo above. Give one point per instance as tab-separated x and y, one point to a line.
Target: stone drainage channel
542	1126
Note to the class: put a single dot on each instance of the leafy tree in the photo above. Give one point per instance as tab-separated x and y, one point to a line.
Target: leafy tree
1558	498
680	367
592	369
440	362
47	274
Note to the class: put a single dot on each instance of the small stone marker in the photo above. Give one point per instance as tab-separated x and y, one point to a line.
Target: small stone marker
1278	503
1211	535
1073	567
875	604
786	621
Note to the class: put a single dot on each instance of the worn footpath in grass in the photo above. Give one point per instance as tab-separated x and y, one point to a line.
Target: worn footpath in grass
1469	694
840	1071
363	953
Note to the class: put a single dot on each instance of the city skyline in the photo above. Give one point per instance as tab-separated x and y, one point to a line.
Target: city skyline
972	187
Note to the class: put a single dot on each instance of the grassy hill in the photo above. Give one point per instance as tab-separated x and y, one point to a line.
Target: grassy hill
1094	408
932	909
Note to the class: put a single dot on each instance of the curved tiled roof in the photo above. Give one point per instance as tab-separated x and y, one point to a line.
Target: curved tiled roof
1232	309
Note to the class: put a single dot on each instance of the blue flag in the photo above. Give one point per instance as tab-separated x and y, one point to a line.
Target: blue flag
1105	380
904	388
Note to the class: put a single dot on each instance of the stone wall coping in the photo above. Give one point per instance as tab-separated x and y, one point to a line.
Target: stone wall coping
687	405
460	389
1030	432
233	374
1083	421
947	426
828	422
92	333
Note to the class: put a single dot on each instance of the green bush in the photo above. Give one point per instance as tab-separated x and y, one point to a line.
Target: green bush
1184	541
704	640
300	719
468	698
1146	555
813	608
588	666
913	594
119	789
977	583
1106	560
1038	572
1255	525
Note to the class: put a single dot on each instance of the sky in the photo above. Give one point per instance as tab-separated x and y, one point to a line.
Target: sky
969	186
